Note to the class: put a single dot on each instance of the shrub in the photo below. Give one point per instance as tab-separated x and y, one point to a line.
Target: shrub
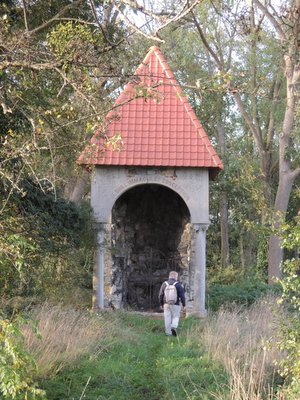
290	329
224	276
46	244
243	294
17	367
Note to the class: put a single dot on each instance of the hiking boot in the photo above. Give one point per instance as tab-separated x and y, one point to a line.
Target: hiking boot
174	332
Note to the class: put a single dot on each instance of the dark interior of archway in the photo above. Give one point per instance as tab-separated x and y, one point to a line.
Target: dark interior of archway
148	225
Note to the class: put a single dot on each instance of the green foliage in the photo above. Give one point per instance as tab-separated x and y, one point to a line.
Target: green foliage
292	391
47	247
290	330
262	257
56	85
224	276
243	294
66	39
17	368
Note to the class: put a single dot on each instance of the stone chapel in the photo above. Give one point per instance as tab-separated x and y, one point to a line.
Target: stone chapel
150	193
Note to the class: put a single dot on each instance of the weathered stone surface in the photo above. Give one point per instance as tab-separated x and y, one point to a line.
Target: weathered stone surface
150	235
109	183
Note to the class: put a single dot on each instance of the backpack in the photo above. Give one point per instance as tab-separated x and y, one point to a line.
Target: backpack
171	293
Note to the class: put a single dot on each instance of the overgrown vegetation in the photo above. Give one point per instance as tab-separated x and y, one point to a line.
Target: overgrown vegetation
231	355
18	370
135	360
243	294
290	329
65	335
46	250
245	342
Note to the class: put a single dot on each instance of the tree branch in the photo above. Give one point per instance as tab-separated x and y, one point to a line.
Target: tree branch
143	10
206	44
58	15
253	72
271	18
181	14
28	65
135	28
3	104
248	120
14	185
76	89
236	95
25	15
93	8
295	173
81	21
296	75
274	98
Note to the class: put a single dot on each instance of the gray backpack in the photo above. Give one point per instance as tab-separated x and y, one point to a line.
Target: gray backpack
171	293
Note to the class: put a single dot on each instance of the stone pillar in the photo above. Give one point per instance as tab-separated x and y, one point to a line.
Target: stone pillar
98	275
200	269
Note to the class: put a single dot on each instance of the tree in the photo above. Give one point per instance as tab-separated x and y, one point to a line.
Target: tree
60	64
287	27
218	35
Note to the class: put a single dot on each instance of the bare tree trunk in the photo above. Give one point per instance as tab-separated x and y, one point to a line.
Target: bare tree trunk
224	230
225	255
285	184
286	174
242	251
75	192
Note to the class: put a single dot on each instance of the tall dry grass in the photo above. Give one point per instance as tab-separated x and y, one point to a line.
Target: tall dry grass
244	342
64	335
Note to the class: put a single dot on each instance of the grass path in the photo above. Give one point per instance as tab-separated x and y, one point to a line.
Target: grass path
141	363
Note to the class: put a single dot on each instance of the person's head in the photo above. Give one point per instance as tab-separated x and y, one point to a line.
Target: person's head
173	275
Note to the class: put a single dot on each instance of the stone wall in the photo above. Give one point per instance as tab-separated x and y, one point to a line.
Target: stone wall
150	235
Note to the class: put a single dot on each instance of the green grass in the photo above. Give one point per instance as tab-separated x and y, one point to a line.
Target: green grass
141	363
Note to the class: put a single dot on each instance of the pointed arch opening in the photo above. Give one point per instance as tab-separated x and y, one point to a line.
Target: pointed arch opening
150	235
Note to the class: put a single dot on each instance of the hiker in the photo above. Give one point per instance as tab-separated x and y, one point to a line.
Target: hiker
170	295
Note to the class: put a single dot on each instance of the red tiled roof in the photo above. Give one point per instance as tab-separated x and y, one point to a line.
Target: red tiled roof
152	124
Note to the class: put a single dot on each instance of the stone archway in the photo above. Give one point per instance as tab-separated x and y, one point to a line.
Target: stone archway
111	183
151	235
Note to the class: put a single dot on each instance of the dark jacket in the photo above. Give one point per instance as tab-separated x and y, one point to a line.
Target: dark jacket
180	293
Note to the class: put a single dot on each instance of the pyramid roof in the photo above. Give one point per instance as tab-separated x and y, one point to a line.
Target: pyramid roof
152	124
